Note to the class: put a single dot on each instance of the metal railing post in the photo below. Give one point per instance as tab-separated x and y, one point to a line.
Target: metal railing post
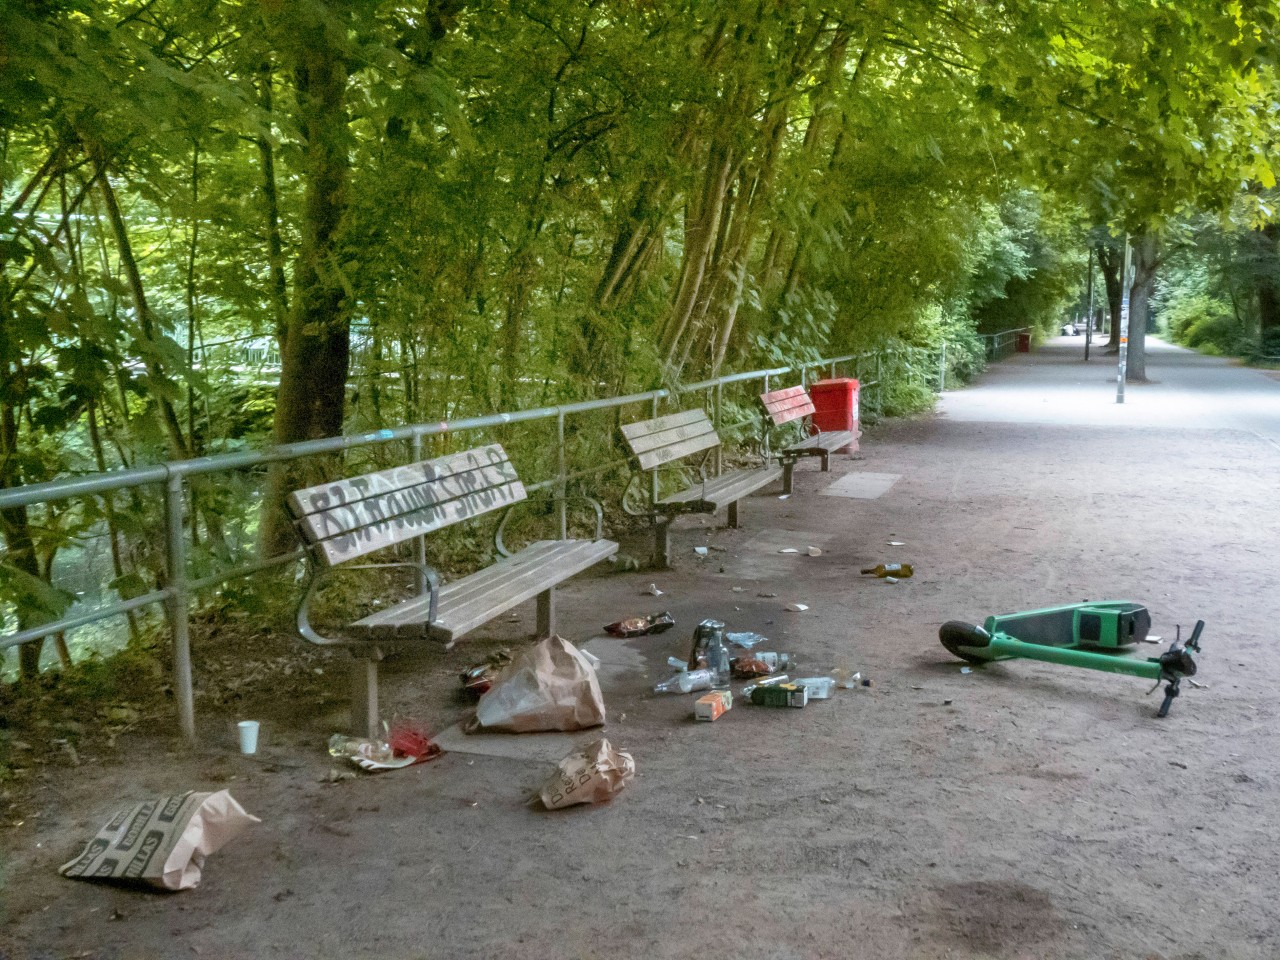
653	474
420	544
833	369
719	401
942	368
179	626
562	481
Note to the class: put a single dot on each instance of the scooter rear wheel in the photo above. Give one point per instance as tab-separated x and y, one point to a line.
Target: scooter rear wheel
956	634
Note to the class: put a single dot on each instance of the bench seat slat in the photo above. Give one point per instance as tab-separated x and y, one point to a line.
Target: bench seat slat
476	599
723	490
825	442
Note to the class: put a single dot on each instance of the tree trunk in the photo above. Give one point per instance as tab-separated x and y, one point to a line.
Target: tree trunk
20	547
1110	263
1269	290
1146	260
316	352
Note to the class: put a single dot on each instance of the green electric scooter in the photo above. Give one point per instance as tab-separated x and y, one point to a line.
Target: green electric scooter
1097	636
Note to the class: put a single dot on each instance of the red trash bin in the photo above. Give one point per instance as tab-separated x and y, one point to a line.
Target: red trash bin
835	407
1022	342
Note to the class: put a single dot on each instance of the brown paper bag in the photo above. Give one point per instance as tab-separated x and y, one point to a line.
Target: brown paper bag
548	686
591	774
162	842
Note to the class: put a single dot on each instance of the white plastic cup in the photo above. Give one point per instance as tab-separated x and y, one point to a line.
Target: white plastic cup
248	736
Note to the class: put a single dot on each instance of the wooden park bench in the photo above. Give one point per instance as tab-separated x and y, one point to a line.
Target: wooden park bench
348	519
794	403
667	439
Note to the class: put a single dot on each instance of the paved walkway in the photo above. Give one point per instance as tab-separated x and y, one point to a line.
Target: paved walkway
1187	389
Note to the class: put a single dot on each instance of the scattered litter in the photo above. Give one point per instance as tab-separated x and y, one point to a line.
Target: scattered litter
162	842
248	730
845	678
946	703
966	669
890	579
653	590
767	596
708	650
713	705
591	774
677	663
745	639
917	688
797	607
739	589
700	551
748	668
641	626
548	686
686	681
820	688
1178	763
788	550
406	744
896	543
718	548
784	496
1197	684
514	618
335	775
890	570
866	681
591	659
780	695
478	678
815	552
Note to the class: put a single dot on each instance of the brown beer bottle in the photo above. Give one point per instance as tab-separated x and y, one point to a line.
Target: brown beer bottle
898	570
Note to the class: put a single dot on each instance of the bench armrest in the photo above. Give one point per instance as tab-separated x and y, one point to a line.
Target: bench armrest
321	575
501	547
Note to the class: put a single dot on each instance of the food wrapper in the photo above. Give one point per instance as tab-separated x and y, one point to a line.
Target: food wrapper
640	626
548	686
748	668
163	842
591	774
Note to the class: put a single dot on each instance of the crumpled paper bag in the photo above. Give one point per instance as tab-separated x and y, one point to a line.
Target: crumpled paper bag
591	774
548	686
162	842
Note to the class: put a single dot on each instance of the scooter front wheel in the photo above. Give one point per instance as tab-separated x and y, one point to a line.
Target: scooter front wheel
956	634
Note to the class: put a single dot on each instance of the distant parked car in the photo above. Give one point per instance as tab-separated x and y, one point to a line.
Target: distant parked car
1070	330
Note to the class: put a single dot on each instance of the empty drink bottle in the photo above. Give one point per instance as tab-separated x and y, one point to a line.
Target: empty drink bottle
897	570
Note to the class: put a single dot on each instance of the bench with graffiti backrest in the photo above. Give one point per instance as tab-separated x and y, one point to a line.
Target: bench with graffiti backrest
348	519
665	440
789	405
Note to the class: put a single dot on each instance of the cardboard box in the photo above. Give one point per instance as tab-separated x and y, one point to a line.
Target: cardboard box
712	706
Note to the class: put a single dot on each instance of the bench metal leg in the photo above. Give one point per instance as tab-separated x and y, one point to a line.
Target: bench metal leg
547	613
364	696
662	543
733	515
826	461
788	468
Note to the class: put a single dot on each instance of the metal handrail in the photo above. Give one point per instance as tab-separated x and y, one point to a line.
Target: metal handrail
172	476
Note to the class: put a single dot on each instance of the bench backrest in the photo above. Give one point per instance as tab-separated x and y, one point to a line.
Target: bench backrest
350	518
783	406
659	441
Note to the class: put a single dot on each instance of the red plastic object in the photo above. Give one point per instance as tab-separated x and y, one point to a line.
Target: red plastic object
835	406
1022	343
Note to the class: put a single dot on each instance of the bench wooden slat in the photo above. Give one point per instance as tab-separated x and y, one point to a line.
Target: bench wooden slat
656	458
341	518
642	428
476	599
783	406
325	496
724	489
350	518
827	441
656	441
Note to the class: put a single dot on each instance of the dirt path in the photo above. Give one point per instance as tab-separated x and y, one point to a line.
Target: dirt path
1045	813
